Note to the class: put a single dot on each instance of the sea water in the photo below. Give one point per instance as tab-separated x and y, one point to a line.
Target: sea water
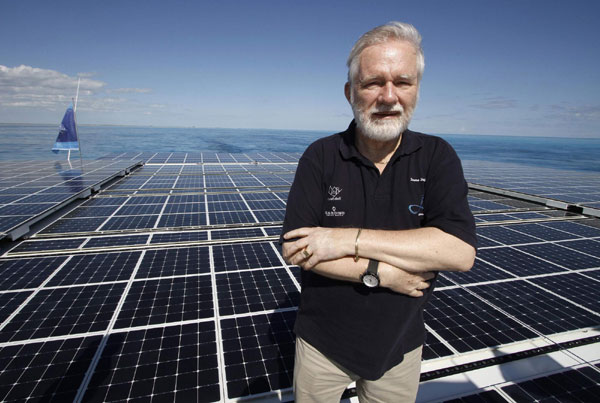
34	142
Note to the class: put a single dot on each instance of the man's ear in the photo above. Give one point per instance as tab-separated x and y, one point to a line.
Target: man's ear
347	90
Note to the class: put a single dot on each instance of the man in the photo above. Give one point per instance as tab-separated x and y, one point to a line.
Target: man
373	213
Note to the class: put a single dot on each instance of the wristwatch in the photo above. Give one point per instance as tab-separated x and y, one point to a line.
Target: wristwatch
370	277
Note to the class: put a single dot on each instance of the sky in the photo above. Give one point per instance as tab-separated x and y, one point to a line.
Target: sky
519	68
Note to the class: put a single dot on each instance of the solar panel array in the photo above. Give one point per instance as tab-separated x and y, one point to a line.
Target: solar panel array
574	188
31	190
169	285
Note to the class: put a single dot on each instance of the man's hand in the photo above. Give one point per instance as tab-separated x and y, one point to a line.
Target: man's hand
317	244
402	281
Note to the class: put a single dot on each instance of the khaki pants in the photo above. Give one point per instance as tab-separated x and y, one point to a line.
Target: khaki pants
318	379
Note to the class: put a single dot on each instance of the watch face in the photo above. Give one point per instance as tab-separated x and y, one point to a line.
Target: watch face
370	280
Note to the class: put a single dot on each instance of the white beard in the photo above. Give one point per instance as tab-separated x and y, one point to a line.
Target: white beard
381	130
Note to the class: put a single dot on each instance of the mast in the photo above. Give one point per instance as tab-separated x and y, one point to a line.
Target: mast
75	118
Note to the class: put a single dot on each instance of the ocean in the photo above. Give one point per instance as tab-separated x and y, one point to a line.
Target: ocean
33	142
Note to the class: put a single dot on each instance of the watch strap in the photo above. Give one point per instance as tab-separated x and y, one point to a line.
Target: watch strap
370	277
372	267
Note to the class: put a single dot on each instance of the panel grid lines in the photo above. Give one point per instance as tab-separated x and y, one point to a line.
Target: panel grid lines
185	296
255	290
468	324
535	307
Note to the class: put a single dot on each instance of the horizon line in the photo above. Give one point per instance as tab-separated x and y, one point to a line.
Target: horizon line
271	129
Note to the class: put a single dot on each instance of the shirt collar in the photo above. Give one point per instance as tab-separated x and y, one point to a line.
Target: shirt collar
409	144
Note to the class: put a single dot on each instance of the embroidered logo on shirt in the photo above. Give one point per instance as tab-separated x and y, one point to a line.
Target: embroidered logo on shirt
417	208
334	191
418	179
334	213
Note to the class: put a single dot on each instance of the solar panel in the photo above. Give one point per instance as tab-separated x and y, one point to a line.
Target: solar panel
434	347
64	311
236	233
172	363
536	307
9	302
170	284
96	268
245	256
581	384
575	228
49	245
128	222
561	255
571	187
516	262
231	217
573	286
588	246
16	274
258	352
108	241
174	237
174	262
46	370
273	231
82	212
480	273
31	198
74	225
180	220
140	209
467	323
167	300
255	291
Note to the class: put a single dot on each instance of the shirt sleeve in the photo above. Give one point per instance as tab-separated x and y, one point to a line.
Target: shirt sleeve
446	204
305	198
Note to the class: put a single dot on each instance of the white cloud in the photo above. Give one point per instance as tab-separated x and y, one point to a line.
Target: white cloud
40	87
26	86
30	88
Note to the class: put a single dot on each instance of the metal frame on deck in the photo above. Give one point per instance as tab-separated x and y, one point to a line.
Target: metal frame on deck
23	228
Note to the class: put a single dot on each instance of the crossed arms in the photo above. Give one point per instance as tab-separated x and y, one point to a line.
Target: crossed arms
407	257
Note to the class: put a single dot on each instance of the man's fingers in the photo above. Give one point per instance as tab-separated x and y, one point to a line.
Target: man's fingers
415	293
309	263
295	259
300	258
296	233
292	248
289	249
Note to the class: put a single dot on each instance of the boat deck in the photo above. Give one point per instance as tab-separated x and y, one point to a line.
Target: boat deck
159	276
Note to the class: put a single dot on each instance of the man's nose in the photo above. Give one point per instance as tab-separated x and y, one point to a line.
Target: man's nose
388	94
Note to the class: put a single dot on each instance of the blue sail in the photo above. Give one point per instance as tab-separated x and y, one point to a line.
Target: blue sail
67	136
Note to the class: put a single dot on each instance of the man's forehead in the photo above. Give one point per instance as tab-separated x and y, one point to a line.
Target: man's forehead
397	55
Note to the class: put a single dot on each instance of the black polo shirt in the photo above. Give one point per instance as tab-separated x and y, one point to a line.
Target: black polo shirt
368	330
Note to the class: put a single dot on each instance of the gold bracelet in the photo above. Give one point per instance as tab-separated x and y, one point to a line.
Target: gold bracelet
356	246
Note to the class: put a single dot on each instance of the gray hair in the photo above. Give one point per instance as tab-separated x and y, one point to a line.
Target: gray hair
394	30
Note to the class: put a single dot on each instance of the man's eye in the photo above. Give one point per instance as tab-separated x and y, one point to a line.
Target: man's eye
372	84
